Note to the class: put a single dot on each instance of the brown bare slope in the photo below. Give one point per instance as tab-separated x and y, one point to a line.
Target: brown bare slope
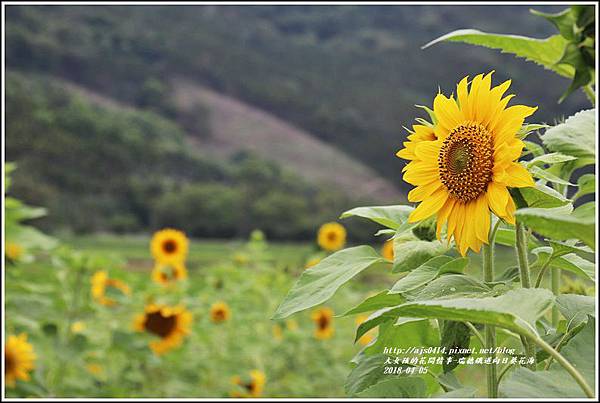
238	126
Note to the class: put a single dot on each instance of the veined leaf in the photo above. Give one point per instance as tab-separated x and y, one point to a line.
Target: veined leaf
575	137
409	255
576	308
548	176
421	275
517	310
555	224
545	52
381	300
321	281
388	216
586	184
552	158
543	196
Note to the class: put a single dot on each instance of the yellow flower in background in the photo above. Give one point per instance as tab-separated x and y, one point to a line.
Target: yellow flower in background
331	236
323	319
462	166
101	282
312	262
241	259
367	337
19	359
169	246
220	312
166	274
277	332
78	327
387	250
94	369
251	386
291	325
169	323
575	286
13	251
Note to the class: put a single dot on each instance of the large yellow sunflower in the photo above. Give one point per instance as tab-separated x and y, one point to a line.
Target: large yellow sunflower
169	246
167	274
323	319
331	236
101	283
251	386
19	359
170	323
220	312
464	162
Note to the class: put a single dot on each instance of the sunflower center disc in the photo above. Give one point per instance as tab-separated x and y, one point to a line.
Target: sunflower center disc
9	363
170	246
466	161
160	325
323	322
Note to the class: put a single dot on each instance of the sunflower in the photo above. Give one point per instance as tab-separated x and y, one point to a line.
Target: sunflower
13	251
463	164
323	319
332	236
169	246
277	332
166	274
78	327
19	359
101	283
220	312
251	386
169	323
387	250
367	337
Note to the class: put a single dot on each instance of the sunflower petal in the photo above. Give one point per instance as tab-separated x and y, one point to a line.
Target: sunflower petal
429	206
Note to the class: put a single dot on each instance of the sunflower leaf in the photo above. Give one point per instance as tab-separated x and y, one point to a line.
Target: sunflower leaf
409	255
381	300
575	137
421	275
388	216
586	184
318	284
545	52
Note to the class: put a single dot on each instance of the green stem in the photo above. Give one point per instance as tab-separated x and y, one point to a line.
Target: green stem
490	331
555	286
521	246
566	365
476	332
591	94
504	371
538	280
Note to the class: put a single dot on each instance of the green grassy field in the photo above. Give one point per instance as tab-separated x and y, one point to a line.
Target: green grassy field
108	358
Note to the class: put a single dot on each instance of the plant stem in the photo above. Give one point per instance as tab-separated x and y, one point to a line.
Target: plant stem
521	246
555	286
589	91
476	332
540	276
566	365
490	331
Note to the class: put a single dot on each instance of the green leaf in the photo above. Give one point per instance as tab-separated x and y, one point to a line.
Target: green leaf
454	335
466	392
548	176
456	285
556	224
563	21
421	275
575	308
586	184
542	196
388	216
381	300
545	52
562	258
552	158
409	255
556	383
402	387
517	310
318	284
575	137
526	129
534	148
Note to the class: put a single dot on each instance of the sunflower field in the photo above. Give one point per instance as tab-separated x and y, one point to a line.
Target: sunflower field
481	286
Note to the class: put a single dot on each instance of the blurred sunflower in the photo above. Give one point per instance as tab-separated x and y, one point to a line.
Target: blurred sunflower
463	164
331	236
251	386
78	327
220	312
19	359
94	369
387	250
170	323
277	332
101	283
291	325
13	251
367	337
169	246
166	274
323	319
312	262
